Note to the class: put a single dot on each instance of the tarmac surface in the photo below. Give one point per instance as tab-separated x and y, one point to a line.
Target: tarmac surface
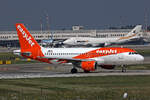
45	70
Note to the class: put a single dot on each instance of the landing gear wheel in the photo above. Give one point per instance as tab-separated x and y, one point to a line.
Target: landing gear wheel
86	71
74	70
123	68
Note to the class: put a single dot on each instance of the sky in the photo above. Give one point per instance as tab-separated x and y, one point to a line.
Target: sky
63	14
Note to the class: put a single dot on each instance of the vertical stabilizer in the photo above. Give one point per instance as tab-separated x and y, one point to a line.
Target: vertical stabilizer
135	31
28	44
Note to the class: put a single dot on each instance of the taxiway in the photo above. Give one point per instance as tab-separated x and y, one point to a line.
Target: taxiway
45	70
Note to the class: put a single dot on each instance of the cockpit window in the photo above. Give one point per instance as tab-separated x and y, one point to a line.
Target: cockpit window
132	53
135	53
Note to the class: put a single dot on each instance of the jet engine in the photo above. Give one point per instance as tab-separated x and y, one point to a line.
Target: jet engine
88	65
107	44
108	66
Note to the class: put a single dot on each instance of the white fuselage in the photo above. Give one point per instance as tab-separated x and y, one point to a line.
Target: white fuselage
113	59
95	41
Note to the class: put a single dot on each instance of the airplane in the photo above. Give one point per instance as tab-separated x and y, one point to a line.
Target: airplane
86	58
47	41
89	41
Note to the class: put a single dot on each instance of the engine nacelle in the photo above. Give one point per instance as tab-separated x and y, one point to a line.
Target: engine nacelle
107	44
108	66
88	65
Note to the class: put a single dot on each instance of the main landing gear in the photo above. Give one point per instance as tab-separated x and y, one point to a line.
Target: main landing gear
124	69
74	70
86	71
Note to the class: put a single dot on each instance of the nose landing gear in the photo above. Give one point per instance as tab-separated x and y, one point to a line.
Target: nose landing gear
124	68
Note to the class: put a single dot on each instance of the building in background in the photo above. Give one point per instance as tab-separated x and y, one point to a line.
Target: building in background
10	38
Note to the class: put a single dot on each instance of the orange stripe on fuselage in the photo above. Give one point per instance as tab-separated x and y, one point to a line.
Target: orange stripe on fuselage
121	38
103	52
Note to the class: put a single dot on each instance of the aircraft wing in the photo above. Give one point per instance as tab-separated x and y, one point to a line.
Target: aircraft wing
69	59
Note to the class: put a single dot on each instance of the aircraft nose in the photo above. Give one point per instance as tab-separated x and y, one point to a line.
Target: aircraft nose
66	42
140	58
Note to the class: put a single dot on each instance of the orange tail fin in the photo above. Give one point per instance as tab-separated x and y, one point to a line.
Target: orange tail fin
27	42
25	38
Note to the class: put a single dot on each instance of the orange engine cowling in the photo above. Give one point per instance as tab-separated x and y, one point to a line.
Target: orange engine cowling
108	66
88	65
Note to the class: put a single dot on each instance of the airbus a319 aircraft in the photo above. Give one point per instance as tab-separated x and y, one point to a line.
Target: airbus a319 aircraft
85	41
86	58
